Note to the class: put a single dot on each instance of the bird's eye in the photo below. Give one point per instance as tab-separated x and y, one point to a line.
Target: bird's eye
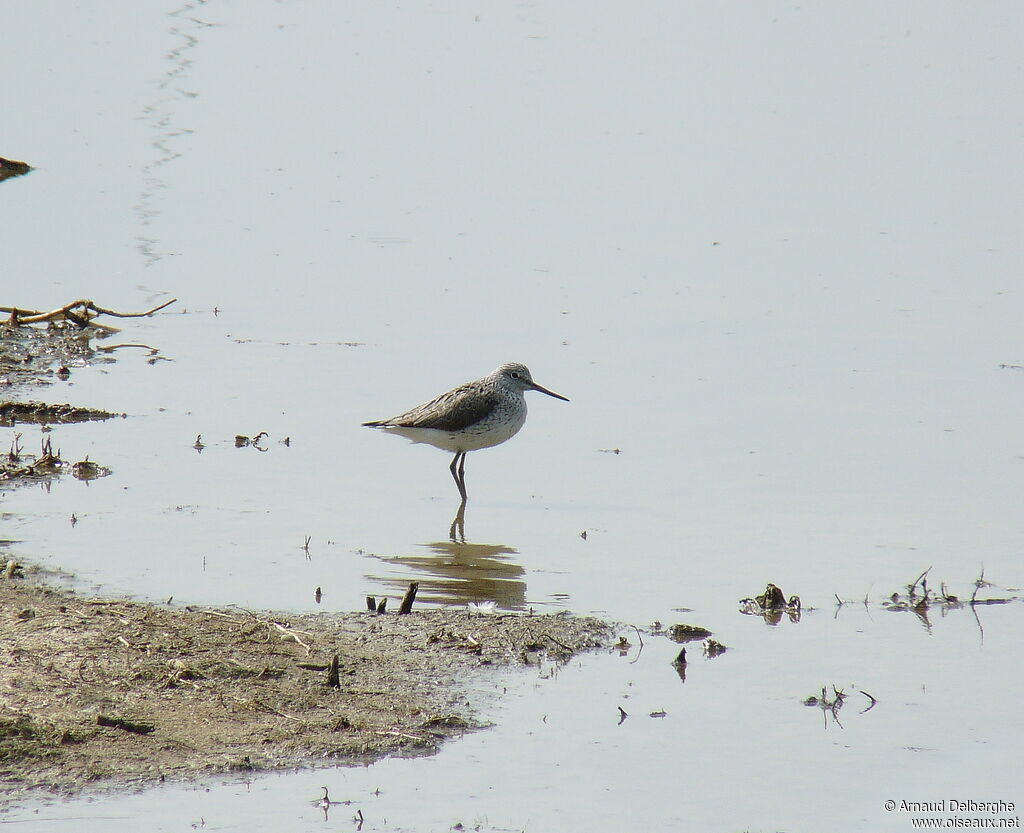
515	374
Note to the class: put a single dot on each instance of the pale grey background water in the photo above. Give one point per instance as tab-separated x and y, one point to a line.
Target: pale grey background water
771	252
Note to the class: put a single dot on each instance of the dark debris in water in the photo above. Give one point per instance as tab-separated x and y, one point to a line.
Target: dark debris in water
772	604
921	599
88	470
687	633
11	167
830	704
32	355
684	634
42	413
18	466
33	342
243	441
713	648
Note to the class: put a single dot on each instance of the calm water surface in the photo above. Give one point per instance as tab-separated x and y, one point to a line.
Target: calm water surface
772	255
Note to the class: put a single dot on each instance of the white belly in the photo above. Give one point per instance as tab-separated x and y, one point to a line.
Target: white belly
488	432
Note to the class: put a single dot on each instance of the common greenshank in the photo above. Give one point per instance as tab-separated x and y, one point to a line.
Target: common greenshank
475	415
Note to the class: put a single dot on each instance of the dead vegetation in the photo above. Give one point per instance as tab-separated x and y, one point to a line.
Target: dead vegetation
831	704
82	313
684	634
687	633
772	605
18	466
11	167
114	690
41	413
39	346
922	600
17	463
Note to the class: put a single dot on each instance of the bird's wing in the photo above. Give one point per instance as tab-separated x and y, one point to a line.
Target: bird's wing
451	411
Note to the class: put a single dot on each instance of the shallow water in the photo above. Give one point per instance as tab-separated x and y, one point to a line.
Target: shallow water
771	254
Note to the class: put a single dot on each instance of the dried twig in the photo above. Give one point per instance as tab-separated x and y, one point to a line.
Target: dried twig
923	581
289	632
638	636
979	582
82	312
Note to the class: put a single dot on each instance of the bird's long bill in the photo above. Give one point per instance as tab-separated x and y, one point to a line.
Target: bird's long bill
549	392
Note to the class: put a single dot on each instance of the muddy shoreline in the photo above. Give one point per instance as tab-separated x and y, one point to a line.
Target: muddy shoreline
112	692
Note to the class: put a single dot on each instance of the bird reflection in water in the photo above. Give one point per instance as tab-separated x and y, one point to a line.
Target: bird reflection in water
462	572
457	531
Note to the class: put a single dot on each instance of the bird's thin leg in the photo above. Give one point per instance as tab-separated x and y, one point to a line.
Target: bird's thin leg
459	475
454	471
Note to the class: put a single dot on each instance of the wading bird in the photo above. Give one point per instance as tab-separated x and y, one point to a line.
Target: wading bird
475	415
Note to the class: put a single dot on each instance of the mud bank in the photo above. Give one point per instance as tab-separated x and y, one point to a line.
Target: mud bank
116	692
